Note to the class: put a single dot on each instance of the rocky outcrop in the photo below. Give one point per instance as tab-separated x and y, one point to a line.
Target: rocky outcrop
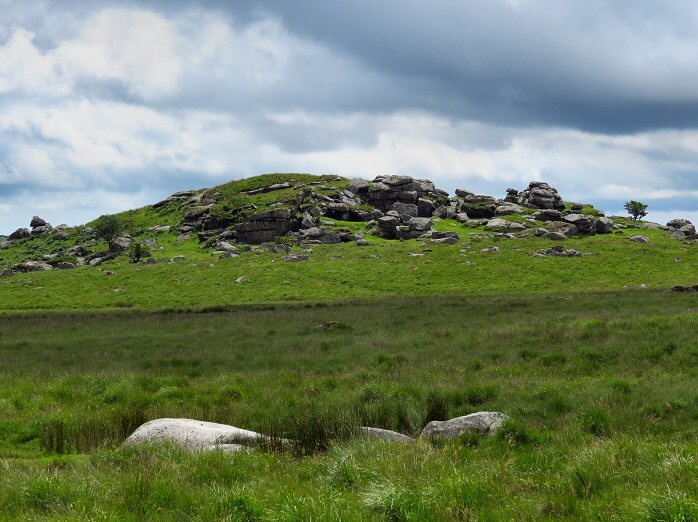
265	226
483	423
540	195
682	226
585	224
385	191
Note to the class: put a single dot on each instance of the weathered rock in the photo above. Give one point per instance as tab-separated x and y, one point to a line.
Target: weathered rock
558	251
32	266
20	233
421	224
37	222
563	227
6	273
540	195
193	434
548	215
483	422
505	210
387	226
265	226
681	225
296	257
425	207
498	224
307	220
585	224
327	237
64	265
378	433
121	243
225	246
639	239
555	236
405	210
269	188
358	186
604	225
160	228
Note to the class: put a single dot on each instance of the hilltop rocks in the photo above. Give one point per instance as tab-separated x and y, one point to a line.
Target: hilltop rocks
682	226
385	191
540	195
20	233
193	434
507	209
483	422
477	207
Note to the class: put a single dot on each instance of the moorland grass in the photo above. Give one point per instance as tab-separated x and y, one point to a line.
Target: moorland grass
600	387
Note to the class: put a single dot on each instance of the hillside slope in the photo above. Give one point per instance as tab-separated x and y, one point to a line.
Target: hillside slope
296	237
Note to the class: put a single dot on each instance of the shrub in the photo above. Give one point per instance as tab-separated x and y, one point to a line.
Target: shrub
108	228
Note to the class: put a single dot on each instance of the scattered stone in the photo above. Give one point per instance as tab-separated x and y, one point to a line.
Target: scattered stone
492	249
160	228
296	257
693	288
555	236
64	265
225	246
498	224
378	433
362	242
639	239
558	251
483	422
229	255
32	266
6	273
121	243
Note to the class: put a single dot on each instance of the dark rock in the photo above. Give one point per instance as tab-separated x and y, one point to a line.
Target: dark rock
555	236
425	207
20	233
604	225
32	266
37	222
265	226
64	265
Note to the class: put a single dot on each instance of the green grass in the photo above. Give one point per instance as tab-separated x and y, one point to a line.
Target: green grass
343	271
600	387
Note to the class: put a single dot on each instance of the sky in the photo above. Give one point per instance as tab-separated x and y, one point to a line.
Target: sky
111	105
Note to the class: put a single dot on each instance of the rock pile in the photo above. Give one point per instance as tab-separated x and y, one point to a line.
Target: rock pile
539	195
682	228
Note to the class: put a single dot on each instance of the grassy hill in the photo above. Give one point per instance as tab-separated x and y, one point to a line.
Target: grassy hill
591	356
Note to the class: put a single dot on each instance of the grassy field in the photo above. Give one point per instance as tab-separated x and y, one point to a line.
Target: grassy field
600	386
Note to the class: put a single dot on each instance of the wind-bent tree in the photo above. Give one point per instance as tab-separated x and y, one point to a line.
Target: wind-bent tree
636	209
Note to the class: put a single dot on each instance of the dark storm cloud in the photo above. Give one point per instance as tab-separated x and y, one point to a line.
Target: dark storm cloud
602	66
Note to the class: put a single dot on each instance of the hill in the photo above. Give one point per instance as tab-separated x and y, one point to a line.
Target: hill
282	237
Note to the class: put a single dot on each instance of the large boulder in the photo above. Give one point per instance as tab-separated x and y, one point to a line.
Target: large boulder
483	422
193	434
121	243
681	225
406	211
507	209
604	225
562	227
20	233
585	224
37	222
420	224
358	186
498	224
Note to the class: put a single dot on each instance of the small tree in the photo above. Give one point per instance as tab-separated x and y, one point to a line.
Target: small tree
138	251
108	227
636	209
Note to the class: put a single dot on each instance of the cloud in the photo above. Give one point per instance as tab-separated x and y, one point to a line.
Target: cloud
117	103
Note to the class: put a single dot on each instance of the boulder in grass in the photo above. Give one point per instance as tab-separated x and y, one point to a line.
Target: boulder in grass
482	422
378	433
194	434
639	239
